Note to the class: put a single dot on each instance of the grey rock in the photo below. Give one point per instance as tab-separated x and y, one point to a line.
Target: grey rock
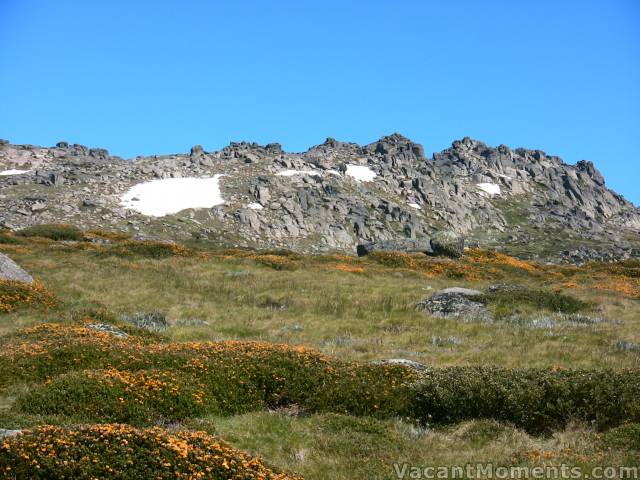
401	361
110	329
397	245
455	303
8	433
10	270
152	321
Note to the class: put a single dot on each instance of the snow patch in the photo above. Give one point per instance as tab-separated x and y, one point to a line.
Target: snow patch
361	173
14	172
291	173
333	172
416	206
490	188
158	198
255	206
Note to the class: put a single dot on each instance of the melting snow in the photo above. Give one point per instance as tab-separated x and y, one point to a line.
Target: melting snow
416	206
255	206
158	198
361	173
291	173
333	172
490	188
14	172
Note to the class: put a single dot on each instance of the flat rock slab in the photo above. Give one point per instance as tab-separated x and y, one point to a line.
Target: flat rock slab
456	303
401	361
10	270
8	433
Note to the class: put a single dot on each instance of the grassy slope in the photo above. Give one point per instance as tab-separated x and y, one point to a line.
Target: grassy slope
365	315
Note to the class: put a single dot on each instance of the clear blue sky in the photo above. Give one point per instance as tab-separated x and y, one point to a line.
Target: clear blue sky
144	77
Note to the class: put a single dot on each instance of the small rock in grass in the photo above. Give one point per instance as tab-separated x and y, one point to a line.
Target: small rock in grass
152	321
10	270
401	361
110	329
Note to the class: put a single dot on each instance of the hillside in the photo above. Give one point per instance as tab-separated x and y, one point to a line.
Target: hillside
327	199
137	359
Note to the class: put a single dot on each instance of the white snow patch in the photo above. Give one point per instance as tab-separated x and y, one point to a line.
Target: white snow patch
490	188
416	206
333	172
255	206
158	198
291	173
361	173
14	172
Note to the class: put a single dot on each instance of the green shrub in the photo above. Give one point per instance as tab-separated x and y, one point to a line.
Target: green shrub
534	399
123	452
9	238
508	299
145	249
52	231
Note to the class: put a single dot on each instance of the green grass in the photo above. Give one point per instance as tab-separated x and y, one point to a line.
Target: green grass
52	231
349	310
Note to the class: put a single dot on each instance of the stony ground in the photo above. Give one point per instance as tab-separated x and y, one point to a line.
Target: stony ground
318	320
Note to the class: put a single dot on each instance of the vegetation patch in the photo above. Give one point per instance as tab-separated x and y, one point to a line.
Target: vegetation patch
214	377
123	452
537	400
147	249
506	300
53	232
15	295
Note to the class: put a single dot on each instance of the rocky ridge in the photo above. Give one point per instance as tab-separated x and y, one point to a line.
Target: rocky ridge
335	196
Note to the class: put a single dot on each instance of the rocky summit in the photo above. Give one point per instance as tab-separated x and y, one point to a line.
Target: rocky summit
332	197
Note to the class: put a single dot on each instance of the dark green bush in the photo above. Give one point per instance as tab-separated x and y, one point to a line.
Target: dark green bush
145	249
535	399
509	299
52	231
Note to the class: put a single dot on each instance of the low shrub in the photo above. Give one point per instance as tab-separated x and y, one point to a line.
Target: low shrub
52	231
277	262
15	295
9	238
76	366
535	399
146	249
508	299
123	452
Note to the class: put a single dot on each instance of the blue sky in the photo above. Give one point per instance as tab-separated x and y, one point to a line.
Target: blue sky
159	76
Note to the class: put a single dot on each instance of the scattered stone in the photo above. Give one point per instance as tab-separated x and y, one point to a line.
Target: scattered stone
457	303
110	329
444	341
152	321
8	433
10	270
625	346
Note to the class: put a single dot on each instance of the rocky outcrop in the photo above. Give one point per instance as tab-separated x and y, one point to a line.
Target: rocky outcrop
457	303
10	270
333	197
402	245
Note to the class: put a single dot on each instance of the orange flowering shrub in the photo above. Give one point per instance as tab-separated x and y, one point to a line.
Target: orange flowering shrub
343	267
476	255
15	294
121	451
136	380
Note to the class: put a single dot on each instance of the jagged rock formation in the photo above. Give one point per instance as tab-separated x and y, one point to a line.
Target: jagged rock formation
335	196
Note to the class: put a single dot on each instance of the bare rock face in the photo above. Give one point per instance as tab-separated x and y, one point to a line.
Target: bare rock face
336	196
10	270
